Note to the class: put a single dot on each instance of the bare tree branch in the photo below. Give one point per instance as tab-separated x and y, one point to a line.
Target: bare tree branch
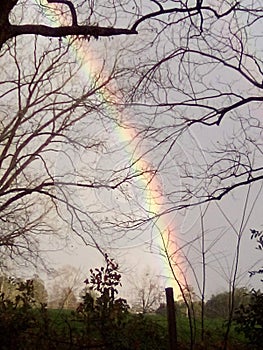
58	32
71	7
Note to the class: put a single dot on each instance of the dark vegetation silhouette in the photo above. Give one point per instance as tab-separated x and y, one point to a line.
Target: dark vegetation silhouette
103	320
249	316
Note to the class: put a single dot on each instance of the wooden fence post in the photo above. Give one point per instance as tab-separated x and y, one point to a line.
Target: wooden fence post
171	318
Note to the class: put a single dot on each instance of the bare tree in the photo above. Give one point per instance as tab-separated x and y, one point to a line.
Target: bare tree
50	119
83	12
147	292
196	102
192	77
65	288
10	30
203	78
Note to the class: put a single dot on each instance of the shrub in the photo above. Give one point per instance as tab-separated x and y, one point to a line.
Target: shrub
249	319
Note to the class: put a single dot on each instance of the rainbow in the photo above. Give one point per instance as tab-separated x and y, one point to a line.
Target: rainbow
126	133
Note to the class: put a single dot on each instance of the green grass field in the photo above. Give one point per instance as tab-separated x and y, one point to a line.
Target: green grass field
214	329
49	329
214	332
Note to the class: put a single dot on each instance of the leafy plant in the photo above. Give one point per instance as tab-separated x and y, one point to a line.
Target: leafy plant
15	315
258	235
104	314
249	319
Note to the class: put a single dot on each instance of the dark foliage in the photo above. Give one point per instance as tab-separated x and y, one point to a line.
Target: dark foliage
143	333
103	314
218	305
249	319
258	236
101	321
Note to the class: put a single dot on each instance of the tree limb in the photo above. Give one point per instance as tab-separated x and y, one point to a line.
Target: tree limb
71	7
197	9
64	31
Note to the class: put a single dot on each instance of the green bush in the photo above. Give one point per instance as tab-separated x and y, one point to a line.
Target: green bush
249	319
103	314
143	332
